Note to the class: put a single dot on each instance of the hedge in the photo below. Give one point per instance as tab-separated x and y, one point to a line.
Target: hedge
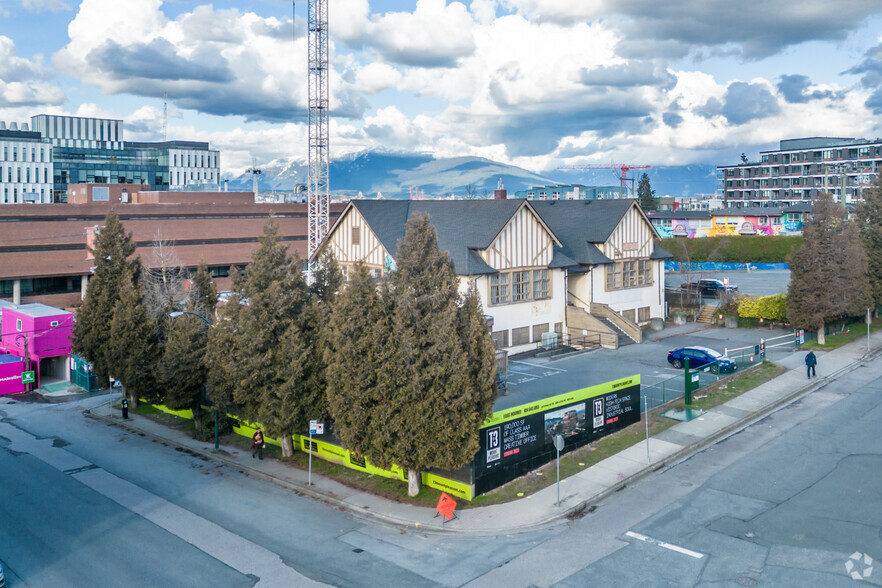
756	249
770	308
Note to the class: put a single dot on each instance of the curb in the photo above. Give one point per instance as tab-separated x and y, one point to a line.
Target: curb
578	508
294	487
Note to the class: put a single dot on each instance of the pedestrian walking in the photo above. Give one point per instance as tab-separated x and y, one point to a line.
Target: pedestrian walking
257	444
810	362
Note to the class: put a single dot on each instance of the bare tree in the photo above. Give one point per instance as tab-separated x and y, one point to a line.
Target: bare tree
163	280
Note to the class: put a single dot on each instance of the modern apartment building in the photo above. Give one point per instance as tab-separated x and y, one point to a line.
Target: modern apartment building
801	169
93	150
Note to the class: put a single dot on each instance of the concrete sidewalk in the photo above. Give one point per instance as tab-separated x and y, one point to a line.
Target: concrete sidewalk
579	491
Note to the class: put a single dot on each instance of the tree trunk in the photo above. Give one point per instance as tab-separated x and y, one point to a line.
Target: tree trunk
413	482
821	338
287	446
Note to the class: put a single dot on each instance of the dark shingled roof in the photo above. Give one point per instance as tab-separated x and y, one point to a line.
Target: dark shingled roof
467	225
462	225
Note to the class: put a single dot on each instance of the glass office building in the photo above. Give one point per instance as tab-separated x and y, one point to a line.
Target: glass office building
92	150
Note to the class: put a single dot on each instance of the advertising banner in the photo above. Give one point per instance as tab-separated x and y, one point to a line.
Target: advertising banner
520	439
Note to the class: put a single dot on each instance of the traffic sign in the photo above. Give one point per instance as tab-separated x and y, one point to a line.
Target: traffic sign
28	377
316	428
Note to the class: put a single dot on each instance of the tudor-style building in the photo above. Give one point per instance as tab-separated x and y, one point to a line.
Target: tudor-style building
590	269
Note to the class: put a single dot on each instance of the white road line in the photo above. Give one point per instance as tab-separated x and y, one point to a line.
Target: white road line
670	546
539	366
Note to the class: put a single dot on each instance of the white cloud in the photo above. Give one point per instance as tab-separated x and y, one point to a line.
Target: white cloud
376	77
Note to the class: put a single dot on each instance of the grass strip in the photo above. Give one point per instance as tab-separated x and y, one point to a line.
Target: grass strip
570	463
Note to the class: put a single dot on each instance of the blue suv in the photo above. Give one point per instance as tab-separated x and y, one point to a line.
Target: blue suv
700	357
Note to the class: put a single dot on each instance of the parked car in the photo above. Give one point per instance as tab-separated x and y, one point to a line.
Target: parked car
700	357
709	287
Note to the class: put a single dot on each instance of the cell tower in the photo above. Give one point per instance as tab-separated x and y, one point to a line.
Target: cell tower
318	195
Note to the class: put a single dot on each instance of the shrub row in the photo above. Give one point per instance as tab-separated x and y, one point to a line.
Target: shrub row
770	308
758	249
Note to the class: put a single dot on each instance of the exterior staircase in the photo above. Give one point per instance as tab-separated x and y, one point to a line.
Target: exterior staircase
624	338
706	315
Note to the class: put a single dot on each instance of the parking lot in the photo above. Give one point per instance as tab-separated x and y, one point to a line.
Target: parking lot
536	378
754	282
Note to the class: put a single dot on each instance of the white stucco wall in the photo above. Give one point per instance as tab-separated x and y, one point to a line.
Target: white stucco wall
525	314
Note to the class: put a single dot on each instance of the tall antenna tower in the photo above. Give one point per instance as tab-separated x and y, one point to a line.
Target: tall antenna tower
165	116
254	171
319	197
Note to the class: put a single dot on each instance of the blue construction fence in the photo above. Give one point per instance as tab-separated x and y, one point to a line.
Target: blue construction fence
676	266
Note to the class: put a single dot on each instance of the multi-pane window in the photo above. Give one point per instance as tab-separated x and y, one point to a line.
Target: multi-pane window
499	289
519	286
629	274
540	284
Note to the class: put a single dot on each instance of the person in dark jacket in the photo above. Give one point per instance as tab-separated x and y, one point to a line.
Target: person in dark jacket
257	444
810	362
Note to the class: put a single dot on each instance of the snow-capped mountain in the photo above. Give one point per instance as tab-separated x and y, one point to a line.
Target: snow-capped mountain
395	175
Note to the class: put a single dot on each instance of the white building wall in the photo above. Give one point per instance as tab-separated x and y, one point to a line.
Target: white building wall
507	317
189	167
25	171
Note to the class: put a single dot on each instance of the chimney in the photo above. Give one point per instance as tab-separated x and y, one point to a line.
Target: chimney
500	193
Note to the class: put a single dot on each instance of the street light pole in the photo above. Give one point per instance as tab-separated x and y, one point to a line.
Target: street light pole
208	322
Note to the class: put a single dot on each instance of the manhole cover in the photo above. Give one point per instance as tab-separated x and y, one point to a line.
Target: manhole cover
747	581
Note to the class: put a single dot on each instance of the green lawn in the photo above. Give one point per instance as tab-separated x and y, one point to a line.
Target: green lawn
855	332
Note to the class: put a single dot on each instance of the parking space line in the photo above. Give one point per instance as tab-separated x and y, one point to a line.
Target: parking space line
538	367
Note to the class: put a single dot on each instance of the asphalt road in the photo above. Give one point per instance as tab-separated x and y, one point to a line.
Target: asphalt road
787	501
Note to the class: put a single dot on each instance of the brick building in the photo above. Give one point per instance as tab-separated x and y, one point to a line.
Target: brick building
43	253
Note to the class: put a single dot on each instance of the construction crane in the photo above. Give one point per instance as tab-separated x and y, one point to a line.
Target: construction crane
624	167
318	194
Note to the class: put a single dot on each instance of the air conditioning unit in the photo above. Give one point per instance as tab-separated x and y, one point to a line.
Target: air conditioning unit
549	339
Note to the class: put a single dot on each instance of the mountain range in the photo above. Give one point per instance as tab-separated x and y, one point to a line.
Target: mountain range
397	175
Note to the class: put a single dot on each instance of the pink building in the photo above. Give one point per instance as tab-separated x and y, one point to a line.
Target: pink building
41	334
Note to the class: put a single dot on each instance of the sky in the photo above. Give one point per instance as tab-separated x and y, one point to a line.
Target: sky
534	83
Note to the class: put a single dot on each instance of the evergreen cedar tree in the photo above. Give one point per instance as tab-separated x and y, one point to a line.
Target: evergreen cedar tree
645	194
262	355
828	272
182	371
411	367
91	333
133	349
869	218
182	366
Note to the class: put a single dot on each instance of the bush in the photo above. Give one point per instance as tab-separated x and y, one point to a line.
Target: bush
770	308
757	249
